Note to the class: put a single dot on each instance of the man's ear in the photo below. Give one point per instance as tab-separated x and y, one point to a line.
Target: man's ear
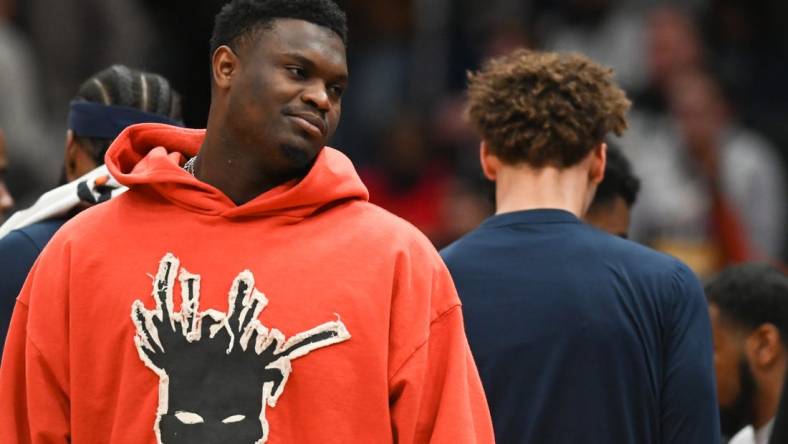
224	64
491	164
77	161
598	160
70	156
763	345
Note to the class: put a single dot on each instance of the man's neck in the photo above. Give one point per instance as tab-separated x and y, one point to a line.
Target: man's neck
233	173
521	187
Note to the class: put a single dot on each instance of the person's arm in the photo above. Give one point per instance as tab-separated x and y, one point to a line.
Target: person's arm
689	412
436	395
34	387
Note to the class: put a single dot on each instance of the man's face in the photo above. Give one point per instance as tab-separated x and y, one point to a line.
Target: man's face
735	382
6	201
612	217
285	98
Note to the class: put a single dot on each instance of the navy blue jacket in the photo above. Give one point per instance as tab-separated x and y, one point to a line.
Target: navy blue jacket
19	249
583	337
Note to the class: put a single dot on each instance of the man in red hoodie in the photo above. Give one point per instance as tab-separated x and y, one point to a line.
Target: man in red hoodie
307	314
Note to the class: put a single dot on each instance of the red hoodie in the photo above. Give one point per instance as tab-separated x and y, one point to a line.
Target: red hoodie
306	315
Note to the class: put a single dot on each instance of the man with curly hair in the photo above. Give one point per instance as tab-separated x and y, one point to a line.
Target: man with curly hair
580	336
243	290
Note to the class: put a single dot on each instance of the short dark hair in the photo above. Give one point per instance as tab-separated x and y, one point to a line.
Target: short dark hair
750	295
240	19
619	180
545	108
120	85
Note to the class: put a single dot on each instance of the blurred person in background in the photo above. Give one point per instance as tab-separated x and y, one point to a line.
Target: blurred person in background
105	104
672	45
408	179
63	34
35	166
418	181
6	200
361	339
748	305
579	336
714	192
381	63
616	194
608	31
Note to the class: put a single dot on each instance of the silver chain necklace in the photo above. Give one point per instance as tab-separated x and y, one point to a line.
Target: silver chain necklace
189	165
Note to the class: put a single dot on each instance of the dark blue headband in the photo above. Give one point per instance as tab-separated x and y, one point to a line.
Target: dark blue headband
89	119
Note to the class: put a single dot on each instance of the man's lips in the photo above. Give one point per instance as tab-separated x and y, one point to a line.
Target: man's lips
310	123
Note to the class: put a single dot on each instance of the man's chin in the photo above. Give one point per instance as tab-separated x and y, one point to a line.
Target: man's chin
300	157
739	414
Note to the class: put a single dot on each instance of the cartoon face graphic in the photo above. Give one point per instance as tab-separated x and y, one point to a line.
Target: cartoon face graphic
217	371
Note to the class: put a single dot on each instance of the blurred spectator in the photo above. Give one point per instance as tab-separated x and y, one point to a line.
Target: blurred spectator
75	38
748	305
714	192
407	179
608	31
35	167
672	45
615	195
6	200
748	48
379	58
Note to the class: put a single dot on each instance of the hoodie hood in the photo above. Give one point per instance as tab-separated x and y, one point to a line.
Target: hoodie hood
151	155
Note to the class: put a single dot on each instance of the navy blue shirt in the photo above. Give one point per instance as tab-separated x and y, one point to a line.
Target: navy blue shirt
19	249
583	337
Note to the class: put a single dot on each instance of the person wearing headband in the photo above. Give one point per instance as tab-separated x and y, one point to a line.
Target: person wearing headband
105	104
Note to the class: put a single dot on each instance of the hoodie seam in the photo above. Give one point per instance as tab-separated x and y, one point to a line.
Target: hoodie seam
426	341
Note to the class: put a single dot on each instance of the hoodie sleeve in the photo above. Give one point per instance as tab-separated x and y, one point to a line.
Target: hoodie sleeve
34	372
435	394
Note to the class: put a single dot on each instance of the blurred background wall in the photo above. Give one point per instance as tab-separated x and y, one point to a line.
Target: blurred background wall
708	133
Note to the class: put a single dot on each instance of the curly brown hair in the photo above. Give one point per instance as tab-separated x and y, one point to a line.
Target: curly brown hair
545	108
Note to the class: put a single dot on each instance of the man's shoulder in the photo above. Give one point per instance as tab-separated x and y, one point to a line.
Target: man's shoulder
576	243
639	262
40	233
385	223
33	237
632	252
91	222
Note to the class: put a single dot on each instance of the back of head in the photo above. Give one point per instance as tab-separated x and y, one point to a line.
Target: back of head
121	86
619	180
240	20
750	295
545	109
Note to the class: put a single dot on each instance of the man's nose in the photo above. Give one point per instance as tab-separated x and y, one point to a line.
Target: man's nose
317	96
